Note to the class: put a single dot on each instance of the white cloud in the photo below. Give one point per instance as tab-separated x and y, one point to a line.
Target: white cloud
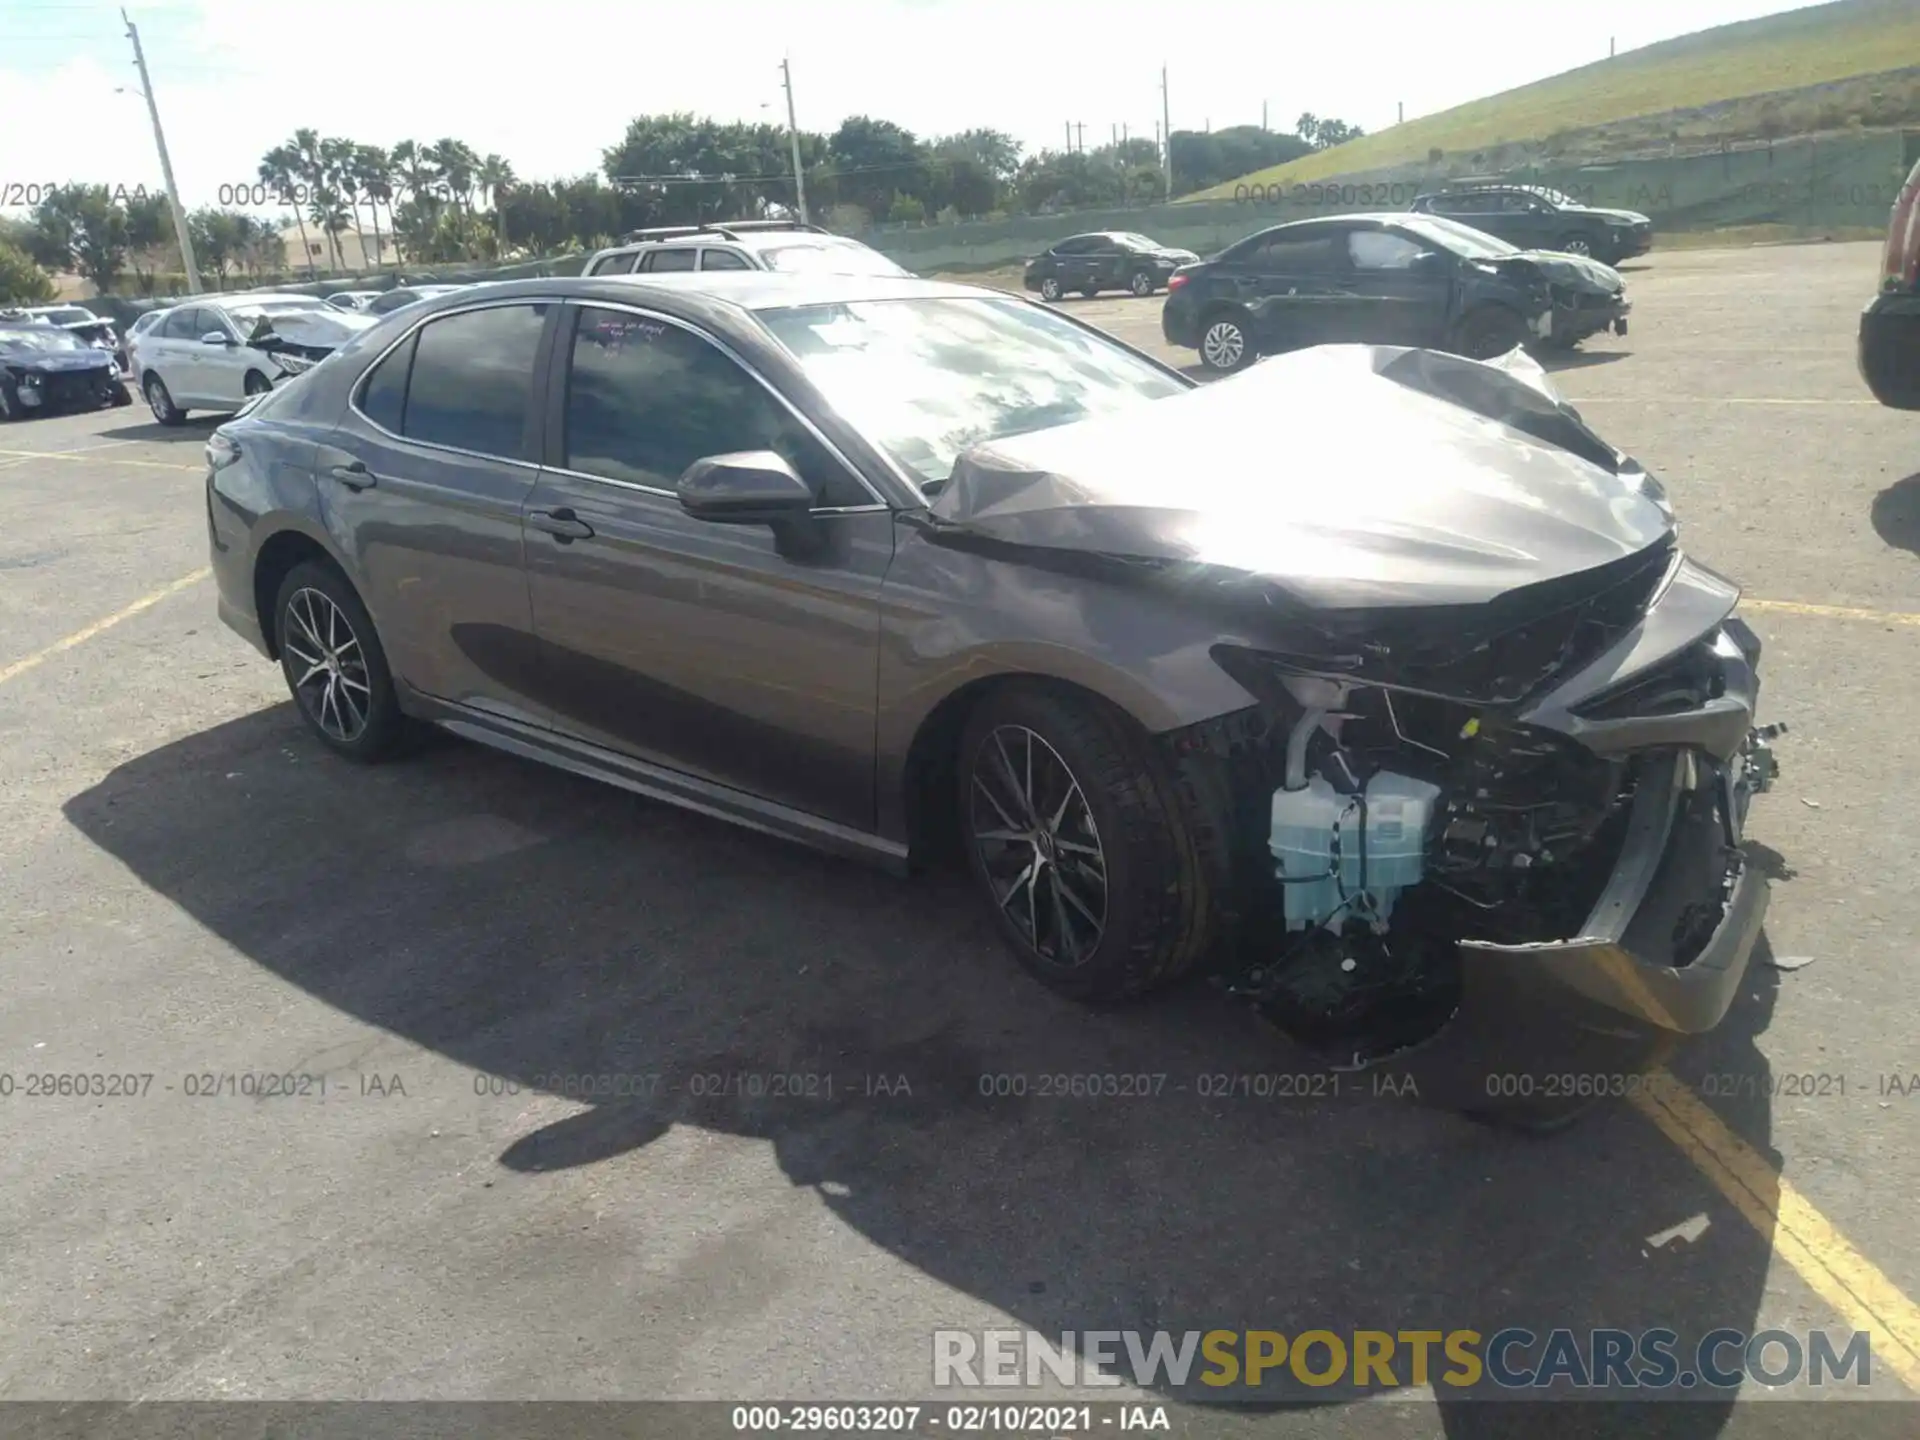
550	86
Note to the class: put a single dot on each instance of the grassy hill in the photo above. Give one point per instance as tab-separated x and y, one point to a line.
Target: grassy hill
1816	46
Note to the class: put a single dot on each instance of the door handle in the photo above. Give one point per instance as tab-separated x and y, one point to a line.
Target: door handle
563	525
354	475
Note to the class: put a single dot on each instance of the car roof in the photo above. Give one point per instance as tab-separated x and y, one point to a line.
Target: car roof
721	296
241	302
745	240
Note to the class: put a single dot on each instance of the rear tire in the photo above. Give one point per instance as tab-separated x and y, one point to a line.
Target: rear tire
1078	844
335	667
1225	345
160	401
9	404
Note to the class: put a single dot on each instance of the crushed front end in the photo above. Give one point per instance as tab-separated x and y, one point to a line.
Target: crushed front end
1496	855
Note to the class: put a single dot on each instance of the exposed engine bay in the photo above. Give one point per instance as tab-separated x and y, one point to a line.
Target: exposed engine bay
1375	831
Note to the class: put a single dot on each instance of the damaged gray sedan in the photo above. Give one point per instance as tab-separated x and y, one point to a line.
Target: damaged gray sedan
1371	681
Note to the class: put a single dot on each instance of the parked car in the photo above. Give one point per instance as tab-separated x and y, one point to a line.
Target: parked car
1537	218
784	245
217	354
1890	324
352	299
82	323
402	296
871	563
1106	260
1383	279
45	368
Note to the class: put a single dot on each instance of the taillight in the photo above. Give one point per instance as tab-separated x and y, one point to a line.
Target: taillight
222	451
1174	282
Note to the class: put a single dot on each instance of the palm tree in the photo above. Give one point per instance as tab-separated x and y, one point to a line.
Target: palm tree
495	175
454	164
413	173
310	171
372	172
339	198
279	171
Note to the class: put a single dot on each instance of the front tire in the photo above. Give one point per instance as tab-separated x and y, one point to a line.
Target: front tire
1575	245
335	667
1050	289
1225	345
160	401
1079	846
9	403
1490	332
255	384
1141	284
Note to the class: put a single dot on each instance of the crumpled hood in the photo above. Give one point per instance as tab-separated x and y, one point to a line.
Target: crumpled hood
1344	475
1582	272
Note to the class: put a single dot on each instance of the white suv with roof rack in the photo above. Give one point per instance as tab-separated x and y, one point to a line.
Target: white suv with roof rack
741	245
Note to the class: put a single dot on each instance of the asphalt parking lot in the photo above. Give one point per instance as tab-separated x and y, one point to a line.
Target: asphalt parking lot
195	892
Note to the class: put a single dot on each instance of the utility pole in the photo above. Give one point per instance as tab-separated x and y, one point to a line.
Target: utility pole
793	134
1263	115
1166	128
166	166
1069	137
1113	131
1403	112
1080	136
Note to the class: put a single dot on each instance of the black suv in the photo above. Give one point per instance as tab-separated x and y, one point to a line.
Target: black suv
1363	279
1536	218
1104	260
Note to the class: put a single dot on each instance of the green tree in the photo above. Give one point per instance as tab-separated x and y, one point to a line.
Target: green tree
279	171
86	230
219	238
150	237
22	282
873	160
495	176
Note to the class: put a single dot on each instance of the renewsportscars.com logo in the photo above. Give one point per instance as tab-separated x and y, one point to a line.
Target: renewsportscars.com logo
1510	1359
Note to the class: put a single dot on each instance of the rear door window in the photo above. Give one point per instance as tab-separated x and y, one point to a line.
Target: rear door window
471	384
669	258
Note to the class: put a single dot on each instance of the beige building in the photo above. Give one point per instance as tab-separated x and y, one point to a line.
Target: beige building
355	250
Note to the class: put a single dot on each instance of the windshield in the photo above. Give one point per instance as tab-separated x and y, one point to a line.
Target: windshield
70	315
40	338
1459	239
1127	237
844	257
925	379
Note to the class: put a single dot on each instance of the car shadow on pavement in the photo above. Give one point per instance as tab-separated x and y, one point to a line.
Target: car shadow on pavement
527	923
195	430
1896	514
1557	360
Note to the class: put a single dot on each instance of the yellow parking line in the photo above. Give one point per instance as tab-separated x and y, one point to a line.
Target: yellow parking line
1830	612
93	457
145	602
1800	1235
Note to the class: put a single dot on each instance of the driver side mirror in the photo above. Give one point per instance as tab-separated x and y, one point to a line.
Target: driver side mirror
746	487
216	337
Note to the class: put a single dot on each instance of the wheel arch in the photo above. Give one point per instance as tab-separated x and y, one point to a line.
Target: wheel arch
272	562
928	771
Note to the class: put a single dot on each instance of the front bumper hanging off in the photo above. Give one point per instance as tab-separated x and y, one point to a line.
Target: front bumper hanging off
1542	1027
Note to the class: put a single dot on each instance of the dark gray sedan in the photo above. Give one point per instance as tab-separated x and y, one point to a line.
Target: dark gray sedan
1371	680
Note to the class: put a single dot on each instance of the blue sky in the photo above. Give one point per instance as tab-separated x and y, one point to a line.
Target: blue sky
235	77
